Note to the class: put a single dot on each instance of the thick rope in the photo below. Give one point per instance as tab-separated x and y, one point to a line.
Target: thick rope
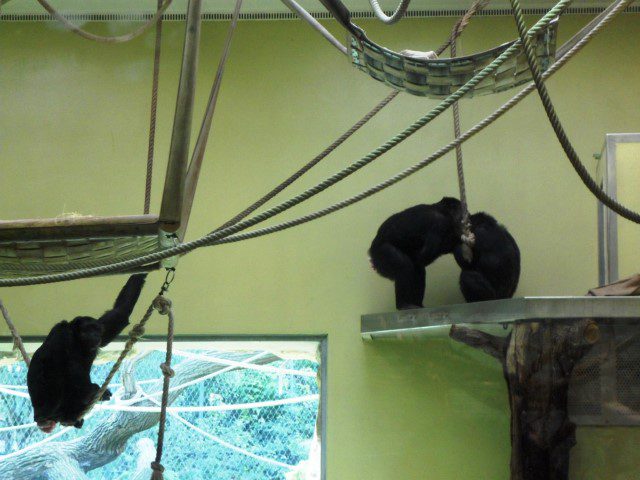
105	39
571	153
467	237
214	237
153	115
17	340
135	333
339	141
163	305
462	23
395	16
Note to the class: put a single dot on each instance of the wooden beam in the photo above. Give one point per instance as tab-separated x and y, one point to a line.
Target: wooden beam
77	227
195	165
174	183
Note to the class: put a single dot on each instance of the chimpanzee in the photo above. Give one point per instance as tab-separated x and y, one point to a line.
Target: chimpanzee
59	377
410	240
494	270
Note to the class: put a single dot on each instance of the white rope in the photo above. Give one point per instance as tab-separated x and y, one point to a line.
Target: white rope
211	408
14	387
18	427
249	366
221	441
395	16
48	439
200	379
9	391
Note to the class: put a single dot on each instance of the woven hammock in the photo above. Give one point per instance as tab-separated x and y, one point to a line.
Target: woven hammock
439	78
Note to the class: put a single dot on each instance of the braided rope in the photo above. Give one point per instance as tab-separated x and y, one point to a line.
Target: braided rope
104	39
153	115
17	340
467	236
339	141
163	305
462	23
571	153
395	16
213	237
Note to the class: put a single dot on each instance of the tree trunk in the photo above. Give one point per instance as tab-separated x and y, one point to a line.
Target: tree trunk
537	360
70	460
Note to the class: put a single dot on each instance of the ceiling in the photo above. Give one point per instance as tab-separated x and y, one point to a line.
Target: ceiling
252	6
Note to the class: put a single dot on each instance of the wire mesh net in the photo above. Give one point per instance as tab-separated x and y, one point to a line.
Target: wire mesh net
234	415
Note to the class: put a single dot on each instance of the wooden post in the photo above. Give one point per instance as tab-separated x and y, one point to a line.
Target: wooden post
174	183
537	360
193	173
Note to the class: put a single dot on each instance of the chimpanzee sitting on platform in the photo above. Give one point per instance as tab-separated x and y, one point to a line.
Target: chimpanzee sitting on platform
410	240
494	270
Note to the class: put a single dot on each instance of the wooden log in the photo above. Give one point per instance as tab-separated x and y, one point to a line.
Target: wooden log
537	360
174	183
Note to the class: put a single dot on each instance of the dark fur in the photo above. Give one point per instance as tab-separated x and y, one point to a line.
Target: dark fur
59	378
410	240
495	268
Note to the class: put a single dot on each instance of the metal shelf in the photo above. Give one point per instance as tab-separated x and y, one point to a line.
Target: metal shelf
423	322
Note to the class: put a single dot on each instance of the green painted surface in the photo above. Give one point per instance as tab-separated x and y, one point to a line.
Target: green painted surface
73	127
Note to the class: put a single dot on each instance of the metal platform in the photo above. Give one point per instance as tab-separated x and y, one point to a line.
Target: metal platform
423	322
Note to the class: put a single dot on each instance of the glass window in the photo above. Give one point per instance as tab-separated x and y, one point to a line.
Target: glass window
239	409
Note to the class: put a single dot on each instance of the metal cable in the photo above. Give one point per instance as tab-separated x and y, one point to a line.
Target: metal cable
104	39
577	164
213	237
395	16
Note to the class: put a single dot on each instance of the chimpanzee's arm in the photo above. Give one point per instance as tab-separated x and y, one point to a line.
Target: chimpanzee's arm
115	320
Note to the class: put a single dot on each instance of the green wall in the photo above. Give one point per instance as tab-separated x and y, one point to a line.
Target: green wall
73	127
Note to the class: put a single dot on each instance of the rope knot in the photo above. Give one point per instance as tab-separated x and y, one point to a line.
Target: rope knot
158	469
136	332
468	240
162	305
167	371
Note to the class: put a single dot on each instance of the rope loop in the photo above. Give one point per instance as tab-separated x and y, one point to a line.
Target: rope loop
468	242
162	305
157	467
395	16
